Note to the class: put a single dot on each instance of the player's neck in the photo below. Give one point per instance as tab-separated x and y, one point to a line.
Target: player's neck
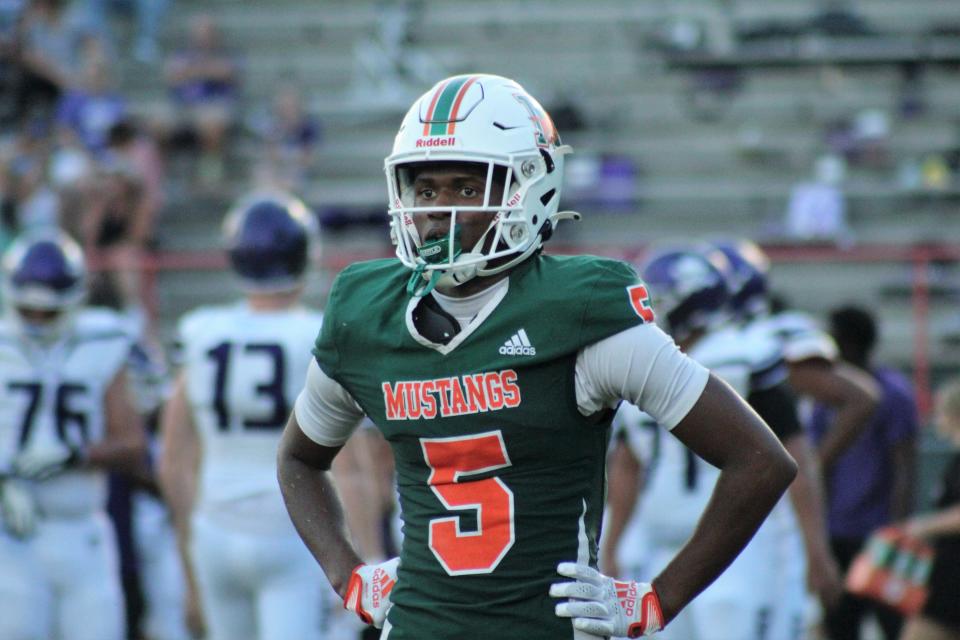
474	286
273	301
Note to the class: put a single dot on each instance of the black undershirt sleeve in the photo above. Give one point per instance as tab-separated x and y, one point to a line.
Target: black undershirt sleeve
778	408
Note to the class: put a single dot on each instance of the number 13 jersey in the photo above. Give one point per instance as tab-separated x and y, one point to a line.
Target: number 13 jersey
243	371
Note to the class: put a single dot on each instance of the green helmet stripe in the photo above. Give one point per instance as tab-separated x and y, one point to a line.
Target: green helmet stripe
441	111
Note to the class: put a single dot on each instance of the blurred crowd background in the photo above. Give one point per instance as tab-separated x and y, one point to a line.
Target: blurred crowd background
828	132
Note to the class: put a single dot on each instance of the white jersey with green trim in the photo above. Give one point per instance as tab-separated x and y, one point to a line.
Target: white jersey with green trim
53	396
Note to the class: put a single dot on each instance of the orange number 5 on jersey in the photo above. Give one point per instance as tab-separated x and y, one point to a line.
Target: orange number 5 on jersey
450	461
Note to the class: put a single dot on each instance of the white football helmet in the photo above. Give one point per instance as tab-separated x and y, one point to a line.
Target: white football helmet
43	273
492	121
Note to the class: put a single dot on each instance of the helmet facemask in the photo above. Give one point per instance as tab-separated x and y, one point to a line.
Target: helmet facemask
44	285
446	260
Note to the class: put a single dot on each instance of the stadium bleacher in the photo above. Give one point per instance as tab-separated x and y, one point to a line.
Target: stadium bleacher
696	174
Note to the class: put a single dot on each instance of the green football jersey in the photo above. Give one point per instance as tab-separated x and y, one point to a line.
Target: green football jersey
500	476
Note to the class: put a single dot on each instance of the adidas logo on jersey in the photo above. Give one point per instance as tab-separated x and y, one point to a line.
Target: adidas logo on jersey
518	345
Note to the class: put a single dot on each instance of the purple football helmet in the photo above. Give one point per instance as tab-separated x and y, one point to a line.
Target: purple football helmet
746	275
268	239
44	282
687	290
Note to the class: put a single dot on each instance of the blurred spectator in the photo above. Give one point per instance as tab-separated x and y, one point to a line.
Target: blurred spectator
712	91
129	147
88	111
912	99
28	200
940	617
871	136
609	182
51	52
871	483
291	135
817	209
863	140
115	227
149	15
204	81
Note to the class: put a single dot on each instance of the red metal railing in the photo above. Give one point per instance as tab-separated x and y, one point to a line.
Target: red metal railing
920	257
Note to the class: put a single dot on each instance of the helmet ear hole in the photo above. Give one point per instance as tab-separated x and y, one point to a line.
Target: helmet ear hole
546	230
548	160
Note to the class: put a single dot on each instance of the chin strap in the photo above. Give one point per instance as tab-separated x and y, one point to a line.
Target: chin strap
433	252
417	280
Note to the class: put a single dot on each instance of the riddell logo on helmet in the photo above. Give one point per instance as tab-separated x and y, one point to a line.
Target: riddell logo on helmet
436	142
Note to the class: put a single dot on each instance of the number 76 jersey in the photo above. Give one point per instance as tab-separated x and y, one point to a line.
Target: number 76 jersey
53	396
243	371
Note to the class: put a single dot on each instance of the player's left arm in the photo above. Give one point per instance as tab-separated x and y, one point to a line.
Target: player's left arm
643	366
124	446
755	470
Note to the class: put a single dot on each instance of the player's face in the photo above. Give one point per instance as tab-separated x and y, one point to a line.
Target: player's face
39	317
453	185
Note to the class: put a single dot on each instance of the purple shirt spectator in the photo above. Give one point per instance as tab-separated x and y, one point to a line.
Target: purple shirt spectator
201	90
90	116
204	71
860	485
299	136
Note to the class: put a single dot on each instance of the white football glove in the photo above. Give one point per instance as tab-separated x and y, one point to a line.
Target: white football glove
17	507
42	462
604	607
368	592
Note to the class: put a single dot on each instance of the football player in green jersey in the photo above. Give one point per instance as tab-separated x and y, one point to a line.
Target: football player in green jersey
493	371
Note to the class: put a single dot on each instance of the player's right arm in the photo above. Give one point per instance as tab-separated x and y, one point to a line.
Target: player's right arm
125	446
303	469
850	391
322	421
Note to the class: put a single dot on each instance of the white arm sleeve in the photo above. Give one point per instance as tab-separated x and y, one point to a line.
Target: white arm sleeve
326	413
643	366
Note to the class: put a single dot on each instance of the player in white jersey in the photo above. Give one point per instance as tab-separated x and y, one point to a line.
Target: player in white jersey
161	578
750	597
242	367
65	419
814	373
